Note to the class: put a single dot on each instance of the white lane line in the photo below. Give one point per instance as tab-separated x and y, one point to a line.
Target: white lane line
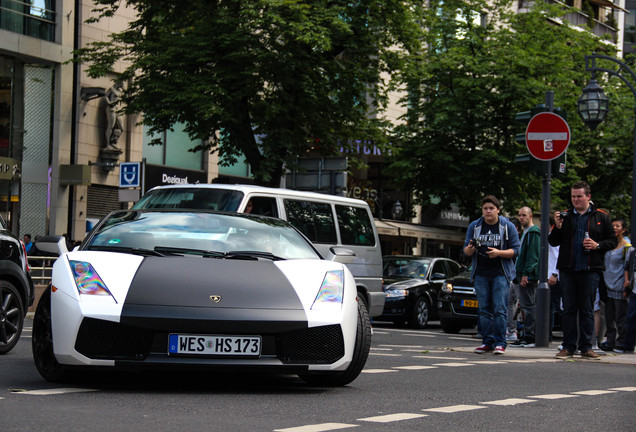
380	332
56	391
392	417
509	402
403	346
521	361
453	364
462	338
321	427
629	389
593	392
385	354
441	357
376	371
553	396
420	335
414	367
381	349
489	362
455	408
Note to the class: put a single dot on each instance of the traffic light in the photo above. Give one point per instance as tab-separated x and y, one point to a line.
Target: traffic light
526	160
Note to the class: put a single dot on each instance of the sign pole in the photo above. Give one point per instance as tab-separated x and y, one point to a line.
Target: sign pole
542	320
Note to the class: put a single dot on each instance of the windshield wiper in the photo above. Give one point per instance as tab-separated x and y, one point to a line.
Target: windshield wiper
132	250
183	251
253	255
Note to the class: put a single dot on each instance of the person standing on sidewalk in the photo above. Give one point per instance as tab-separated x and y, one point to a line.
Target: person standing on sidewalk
492	242
629	324
584	234
527	269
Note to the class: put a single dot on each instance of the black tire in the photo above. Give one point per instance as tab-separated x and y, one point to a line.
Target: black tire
420	313
11	316
360	355
42	342
449	326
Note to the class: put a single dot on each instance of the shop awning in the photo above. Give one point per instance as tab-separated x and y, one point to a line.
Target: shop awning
406	229
609	4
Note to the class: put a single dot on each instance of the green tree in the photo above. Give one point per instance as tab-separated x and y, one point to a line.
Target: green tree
477	67
267	79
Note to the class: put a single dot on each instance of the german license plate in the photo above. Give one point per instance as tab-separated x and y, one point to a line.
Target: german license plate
470	303
218	345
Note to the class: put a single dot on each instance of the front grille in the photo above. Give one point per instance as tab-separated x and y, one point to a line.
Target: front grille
100	339
317	345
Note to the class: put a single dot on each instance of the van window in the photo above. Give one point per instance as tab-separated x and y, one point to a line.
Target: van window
313	219
191	198
264	206
355	226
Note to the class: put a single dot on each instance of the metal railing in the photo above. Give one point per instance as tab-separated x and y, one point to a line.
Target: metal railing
41	268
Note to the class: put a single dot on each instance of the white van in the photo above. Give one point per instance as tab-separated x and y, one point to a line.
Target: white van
327	220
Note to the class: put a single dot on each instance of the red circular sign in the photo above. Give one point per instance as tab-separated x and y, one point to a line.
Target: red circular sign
547	136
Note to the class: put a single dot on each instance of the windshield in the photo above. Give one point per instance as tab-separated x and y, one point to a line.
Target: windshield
406	267
191	198
198	233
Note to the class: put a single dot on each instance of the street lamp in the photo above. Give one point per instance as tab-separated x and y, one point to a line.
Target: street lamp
593	105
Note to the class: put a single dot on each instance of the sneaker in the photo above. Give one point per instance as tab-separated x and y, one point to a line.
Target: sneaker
511	337
590	354
499	350
607	347
525	343
619	350
529	344
564	354
482	349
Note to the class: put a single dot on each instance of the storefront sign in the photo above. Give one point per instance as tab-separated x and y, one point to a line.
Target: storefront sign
159	175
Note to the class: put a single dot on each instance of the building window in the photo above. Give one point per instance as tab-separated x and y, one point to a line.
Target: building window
35	18
173	150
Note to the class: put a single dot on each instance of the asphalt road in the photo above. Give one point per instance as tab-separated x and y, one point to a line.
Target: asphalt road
414	381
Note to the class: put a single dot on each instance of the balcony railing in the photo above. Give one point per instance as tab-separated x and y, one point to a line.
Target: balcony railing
29	19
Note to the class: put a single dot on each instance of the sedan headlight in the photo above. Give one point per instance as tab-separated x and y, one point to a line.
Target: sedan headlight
331	291
447	287
87	280
396	293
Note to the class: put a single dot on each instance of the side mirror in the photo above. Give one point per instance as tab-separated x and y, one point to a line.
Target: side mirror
55	245
342	255
438	276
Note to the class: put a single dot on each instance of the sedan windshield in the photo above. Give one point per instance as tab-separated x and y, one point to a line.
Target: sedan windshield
199	233
406	267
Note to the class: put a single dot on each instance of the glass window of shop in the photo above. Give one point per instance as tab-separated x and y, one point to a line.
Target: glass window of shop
173	149
35	18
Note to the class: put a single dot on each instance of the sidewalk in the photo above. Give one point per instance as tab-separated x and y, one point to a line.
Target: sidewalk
549	353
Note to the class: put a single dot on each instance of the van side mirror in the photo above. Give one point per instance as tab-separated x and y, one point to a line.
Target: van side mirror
342	255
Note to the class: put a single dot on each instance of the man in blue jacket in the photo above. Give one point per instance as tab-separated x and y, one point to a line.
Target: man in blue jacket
493	242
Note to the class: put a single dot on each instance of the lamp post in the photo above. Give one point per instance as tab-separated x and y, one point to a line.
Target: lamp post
593	105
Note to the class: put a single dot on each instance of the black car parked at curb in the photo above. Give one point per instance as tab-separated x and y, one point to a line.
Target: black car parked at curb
457	304
16	288
412	285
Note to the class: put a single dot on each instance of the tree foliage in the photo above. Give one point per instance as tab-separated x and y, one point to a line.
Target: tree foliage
467	82
267	79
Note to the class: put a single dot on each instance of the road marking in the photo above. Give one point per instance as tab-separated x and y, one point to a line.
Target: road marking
509	402
403	346
424	351
462	338
453	364
48	392
455	408
414	367
522	361
629	389
385	354
420	335
593	392
392	417
318	427
381	349
375	371
441	357
553	396
489	362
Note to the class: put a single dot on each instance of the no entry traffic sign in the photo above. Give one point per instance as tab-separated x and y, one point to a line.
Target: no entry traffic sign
547	136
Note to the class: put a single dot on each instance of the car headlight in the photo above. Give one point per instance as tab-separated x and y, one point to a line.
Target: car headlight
396	293
331	291
87	280
447	287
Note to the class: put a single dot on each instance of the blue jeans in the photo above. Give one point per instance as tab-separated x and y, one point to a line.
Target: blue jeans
630	323
579	290
492	295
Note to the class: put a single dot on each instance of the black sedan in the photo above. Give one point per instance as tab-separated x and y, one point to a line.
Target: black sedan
458	304
412	285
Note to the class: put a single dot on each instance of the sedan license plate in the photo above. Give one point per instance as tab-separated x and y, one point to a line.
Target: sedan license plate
470	303
217	345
